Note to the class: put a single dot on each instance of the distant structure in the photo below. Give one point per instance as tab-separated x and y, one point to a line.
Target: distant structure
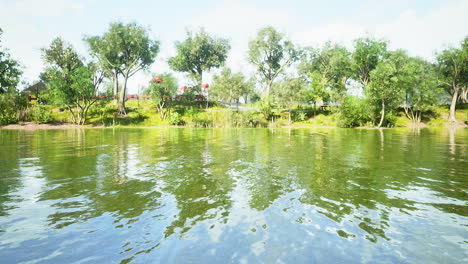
33	92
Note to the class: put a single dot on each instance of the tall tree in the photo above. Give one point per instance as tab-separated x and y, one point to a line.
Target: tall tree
271	53
124	49
10	71
105	49
386	87
72	83
229	86
452	72
162	89
368	53
199	53
421	91
326	71
289	92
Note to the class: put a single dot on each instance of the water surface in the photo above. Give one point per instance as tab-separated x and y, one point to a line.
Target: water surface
234	196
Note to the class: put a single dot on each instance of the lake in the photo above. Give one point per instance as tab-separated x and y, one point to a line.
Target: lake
183	195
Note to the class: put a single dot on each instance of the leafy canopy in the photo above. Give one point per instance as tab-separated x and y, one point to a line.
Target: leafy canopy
10	71
326	71
71	82
289	92
164	90
368	53
271	53
229	86
199	53
452	67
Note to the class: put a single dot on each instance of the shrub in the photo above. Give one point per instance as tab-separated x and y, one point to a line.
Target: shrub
202	120
353	112
41	114
175	119
298	116
11	104
247	119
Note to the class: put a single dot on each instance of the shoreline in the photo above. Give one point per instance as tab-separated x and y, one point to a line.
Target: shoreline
35	126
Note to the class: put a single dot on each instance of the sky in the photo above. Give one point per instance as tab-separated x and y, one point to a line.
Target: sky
421	27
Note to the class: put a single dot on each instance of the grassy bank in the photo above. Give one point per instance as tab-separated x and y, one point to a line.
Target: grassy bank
144	114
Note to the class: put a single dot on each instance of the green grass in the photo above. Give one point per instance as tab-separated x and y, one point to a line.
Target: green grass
195	114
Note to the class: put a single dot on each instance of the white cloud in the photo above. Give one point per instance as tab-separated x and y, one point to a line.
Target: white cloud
420	34
423	35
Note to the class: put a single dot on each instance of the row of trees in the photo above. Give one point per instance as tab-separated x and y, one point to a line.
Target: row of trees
386	79
286	74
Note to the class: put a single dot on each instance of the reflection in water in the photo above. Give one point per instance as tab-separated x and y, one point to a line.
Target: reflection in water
255	195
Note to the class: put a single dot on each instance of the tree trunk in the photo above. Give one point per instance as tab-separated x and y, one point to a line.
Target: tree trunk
122	95
315	107
464	95
382	115
452	118
268	89
115	92
72	114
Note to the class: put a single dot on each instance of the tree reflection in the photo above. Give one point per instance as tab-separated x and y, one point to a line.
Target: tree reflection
187	177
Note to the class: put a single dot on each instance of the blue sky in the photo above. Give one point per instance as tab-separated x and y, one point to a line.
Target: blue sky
421	27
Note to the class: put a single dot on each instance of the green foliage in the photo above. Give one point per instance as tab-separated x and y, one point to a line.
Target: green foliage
289	92
201	119
298	116
124	49
175	119
326	71
12	104
421	91
265	108
230	87
71	82
41	114
162	93
368	53
10	71
199	53
386	89
61	55
452	73
322	120
271	54
246	119
353	112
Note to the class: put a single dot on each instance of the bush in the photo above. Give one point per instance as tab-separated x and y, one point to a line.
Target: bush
298	116
353	112
202	120
265	108
11	104
40	114
247	119
175	119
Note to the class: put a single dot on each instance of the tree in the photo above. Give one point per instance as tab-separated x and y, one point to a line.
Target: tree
420	87
71	82
368	53
230	86
289	92
162	90
124	49
271	54
452	73
10	71
388	78
105	49
326	72
199	53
